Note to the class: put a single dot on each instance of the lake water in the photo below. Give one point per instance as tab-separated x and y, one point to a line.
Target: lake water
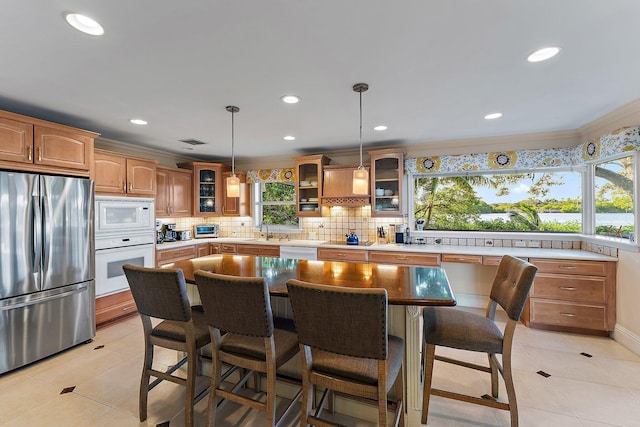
614	219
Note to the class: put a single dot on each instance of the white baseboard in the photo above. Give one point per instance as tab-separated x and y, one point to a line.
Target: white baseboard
627	338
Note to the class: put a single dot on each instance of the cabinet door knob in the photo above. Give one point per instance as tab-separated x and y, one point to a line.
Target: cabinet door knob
29	153
39	154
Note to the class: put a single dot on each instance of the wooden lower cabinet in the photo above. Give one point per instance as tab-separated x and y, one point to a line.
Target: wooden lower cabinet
258	250
228	248
327	254
405	258
113	307
167	256
572	296
464	259
203	249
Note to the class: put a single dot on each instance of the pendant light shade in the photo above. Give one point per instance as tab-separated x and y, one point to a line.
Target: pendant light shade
233	182
360	175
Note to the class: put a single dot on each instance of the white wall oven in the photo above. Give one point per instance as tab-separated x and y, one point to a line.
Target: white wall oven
125	234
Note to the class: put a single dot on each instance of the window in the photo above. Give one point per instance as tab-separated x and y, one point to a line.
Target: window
540	201
275	204
614	201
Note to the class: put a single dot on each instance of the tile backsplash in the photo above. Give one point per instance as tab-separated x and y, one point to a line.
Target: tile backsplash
358	219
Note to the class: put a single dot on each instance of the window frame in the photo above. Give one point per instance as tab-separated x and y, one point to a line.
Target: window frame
588	207
256	196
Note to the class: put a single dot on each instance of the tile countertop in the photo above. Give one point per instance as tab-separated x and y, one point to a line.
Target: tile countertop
571	254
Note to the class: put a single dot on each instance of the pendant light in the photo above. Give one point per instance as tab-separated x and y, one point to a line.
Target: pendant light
360	175
233	182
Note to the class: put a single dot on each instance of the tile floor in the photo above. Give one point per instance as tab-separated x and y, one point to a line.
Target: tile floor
581	391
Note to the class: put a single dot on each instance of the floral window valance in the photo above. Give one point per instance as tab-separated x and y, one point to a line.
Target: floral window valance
609	145
271	175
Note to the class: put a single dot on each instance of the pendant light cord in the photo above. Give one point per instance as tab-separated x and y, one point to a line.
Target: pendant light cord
361	131
233	157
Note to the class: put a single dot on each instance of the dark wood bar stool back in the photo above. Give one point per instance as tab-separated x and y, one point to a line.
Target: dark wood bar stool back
345	347
160	293
241	307
456	328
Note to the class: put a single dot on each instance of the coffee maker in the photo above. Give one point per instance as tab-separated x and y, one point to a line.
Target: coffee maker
159	232
169	232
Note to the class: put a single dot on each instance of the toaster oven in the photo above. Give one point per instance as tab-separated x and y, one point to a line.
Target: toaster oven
201	231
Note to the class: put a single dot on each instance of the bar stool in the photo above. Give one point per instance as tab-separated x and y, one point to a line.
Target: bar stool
455	328
241	307
160	293
345	347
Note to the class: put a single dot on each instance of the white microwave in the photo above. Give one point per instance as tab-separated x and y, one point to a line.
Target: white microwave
117	214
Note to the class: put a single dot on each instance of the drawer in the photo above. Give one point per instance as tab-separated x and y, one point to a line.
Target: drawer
404	258
585	268
466	259
583	316
495	260
112	307
259	250
171	255
346	255
226	248
567	287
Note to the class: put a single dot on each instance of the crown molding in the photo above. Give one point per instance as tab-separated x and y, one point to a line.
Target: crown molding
165	158
627	115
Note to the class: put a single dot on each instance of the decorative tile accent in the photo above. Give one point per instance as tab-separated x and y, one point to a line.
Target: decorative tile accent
68	389
586	354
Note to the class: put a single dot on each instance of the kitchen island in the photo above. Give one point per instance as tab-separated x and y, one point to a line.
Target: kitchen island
408	288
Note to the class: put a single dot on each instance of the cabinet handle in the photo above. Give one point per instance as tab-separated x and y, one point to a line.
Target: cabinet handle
169	209
567	288
130	187
568	314
29	153
127	308
402	258
340	254
124	188
567	267
39	154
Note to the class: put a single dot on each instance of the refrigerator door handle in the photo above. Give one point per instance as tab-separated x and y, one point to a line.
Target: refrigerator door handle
36	255
41	300
46	233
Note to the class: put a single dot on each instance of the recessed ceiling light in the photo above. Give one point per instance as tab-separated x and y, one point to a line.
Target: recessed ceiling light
84	23
543	54
290	138
381	127
493	116
290	99
138	121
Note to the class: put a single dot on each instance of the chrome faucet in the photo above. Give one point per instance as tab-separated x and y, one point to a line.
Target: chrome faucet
266	226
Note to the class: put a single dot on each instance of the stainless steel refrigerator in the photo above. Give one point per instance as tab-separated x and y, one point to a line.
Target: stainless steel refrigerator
47	291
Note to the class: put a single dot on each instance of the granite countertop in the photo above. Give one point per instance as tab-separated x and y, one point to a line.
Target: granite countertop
572	254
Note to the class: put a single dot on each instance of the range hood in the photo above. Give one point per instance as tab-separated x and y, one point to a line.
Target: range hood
337	187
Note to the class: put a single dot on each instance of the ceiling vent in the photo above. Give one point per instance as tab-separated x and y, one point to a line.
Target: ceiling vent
192	141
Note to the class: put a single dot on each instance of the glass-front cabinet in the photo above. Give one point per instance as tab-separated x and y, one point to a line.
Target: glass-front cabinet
387	167
207	187
309	184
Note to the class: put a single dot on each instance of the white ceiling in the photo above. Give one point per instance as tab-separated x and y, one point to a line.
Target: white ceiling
434	67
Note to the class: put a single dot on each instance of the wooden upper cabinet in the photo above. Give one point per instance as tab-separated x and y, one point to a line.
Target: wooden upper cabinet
141	177
117	173
309	175
16	141
39	146
387	168
207	187
110	172
54	147
337	187
173	196
235	206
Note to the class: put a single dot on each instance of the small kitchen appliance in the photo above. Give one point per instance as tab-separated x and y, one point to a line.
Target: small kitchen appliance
352	238
184	235
159	233
169	233
201	231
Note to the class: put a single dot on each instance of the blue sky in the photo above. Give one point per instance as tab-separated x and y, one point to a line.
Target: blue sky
572	188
